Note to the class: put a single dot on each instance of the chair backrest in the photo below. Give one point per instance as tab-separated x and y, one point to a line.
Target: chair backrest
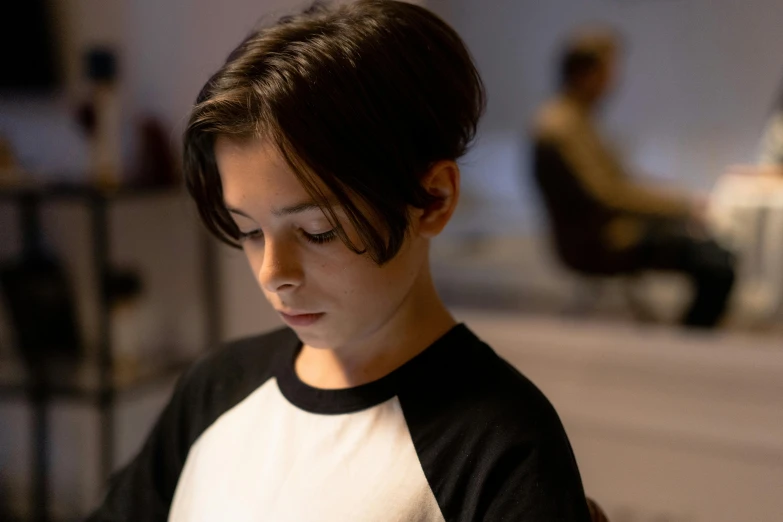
566	199
577	220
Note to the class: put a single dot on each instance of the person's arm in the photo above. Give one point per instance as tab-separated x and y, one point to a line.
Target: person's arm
600	174
143	490
535	483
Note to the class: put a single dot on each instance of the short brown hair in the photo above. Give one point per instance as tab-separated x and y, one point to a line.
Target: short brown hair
584	50
364	97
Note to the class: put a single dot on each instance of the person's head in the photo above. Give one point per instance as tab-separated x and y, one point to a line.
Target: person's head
588	64
325	147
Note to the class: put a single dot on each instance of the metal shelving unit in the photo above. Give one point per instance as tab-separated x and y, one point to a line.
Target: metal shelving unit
95	382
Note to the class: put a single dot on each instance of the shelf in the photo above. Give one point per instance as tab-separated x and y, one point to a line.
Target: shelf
90	382
74	191
16	518
83	381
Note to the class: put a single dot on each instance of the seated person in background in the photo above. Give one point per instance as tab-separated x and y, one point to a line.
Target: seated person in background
604	222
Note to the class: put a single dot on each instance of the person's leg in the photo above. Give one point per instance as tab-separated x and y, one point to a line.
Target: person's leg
712	269
672	246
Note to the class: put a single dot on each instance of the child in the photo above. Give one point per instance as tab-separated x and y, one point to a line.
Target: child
325	148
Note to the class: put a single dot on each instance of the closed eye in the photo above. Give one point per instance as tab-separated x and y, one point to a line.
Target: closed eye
251	235
322	238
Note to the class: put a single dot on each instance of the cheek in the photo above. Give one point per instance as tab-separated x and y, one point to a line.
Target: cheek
255	257
365	283
341	274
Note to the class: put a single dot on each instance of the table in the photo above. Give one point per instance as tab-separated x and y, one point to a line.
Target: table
746	214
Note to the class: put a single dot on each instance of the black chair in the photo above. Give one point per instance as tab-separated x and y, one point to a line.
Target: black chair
576	221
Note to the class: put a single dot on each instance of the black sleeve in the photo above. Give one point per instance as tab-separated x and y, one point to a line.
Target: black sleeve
490	468
532	474
491	445
535	482
143	490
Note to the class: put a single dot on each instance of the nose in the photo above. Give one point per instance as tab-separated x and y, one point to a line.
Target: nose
280	268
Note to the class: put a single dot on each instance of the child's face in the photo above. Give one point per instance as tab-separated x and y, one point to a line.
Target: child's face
328	294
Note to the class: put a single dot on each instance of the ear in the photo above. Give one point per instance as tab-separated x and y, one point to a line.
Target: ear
442	181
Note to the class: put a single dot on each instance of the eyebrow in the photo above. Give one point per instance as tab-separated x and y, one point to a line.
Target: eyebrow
233	210
296	209
285	211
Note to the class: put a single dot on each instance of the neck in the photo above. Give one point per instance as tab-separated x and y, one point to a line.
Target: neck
418	322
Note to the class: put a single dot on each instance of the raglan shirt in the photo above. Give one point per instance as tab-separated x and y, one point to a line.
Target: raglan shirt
455	434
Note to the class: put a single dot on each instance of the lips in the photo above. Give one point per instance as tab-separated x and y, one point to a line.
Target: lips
299	318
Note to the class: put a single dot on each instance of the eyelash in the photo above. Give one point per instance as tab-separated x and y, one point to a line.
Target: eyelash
248	236
318	239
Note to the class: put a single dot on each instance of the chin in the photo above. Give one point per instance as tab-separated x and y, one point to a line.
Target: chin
319	338
327	337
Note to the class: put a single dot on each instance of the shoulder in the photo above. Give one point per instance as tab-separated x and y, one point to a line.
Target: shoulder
225	376
470	384
144	489
555	120
245	358
491	444
507	398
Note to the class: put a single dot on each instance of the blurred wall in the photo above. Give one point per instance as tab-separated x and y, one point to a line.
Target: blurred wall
166	51
699	81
